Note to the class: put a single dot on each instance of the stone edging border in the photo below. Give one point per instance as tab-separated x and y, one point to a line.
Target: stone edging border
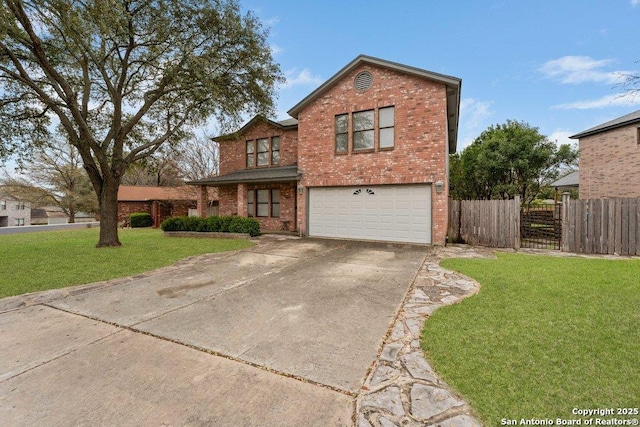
402	389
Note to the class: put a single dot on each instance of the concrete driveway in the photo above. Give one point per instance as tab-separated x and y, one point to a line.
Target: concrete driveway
283	333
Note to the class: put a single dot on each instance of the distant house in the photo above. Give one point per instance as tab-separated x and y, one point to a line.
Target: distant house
610	158
14	212
52	215
160	202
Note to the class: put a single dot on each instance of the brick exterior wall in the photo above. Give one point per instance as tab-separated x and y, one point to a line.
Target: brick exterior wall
233	153
165	209
420	152
610	164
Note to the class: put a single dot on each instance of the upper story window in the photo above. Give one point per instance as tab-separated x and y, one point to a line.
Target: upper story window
20	206
263	152
367	133
363	130
3	205
386	121
342	133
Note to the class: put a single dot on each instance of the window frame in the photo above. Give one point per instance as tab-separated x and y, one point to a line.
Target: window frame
3	205
251	158
254	202
337	134
372	130
392	127
251	155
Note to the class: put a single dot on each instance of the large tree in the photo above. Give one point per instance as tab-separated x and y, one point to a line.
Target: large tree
54	177
122	78
506	160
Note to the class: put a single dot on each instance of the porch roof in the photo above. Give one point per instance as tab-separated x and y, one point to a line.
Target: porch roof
262	175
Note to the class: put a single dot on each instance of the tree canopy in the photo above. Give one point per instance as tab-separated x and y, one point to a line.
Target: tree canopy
122	78
506	160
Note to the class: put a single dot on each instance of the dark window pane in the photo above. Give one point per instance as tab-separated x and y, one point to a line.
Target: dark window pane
386	117
275	210
251	203
275	150
251	161
275	157
342	123
263	159
275	196
386	138
263	145
363	140
363	120
263	210
263	196
342	143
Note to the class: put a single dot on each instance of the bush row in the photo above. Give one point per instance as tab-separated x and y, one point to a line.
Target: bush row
140	219
221	224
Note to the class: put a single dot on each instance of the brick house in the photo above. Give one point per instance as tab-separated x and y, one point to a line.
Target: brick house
159	202
364	157
610	158
14	212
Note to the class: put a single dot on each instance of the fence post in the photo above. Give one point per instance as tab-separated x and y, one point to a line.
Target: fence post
564	239
516	203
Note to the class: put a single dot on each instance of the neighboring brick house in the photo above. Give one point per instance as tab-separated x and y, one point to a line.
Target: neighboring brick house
610	158
365	157
14	212
159	202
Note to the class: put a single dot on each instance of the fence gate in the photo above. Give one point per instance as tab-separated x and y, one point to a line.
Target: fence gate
541	226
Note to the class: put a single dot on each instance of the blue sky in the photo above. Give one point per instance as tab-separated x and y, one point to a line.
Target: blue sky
554	64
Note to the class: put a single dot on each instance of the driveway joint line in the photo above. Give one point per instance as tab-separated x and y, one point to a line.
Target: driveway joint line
69	351
211	352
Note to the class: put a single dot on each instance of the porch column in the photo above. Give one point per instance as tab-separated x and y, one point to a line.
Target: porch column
203	201
242	200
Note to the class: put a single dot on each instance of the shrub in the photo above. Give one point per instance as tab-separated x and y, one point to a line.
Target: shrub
140	219
250	226
223	224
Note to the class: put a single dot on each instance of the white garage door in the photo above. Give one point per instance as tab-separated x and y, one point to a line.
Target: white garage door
396	213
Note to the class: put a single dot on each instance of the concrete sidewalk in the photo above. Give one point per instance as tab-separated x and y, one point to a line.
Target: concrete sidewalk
284	333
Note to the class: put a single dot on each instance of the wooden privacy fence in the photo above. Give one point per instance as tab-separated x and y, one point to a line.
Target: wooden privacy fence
595	226
601	226
493	223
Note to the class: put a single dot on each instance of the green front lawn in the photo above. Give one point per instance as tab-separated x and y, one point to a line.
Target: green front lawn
544	335
47	260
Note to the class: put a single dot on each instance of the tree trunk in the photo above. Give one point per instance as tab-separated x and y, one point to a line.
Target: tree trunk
72	214
109	215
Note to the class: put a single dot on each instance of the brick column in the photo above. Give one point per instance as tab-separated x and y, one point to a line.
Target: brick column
203	201
242	200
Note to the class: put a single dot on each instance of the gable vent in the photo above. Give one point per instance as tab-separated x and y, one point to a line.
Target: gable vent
363	81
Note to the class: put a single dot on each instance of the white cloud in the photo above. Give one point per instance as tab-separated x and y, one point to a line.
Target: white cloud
615	100
304	77
562	137
635	2
474	115
581	69
275	49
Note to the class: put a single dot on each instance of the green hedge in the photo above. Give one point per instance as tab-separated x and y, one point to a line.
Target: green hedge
140	219
221	224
